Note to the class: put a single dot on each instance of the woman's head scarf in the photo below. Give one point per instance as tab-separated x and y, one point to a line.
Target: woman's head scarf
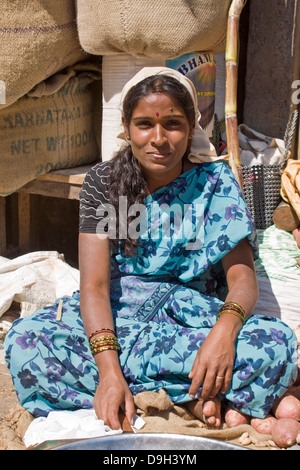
201	149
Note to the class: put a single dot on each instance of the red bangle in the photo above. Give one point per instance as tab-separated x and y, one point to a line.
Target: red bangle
100	331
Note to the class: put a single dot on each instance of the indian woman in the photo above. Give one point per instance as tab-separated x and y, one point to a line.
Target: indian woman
167	281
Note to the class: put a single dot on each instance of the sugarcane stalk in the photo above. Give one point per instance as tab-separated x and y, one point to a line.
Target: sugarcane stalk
231	57
298	152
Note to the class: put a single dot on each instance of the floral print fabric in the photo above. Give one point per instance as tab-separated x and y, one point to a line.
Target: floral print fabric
164	302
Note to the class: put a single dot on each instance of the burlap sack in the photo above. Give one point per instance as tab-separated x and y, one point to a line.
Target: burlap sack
52	128
163	416
37	39
290	185
152	28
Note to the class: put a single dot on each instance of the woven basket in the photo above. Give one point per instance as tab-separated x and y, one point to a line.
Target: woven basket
262	183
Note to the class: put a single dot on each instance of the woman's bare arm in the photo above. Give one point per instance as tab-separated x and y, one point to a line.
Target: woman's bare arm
94	266
240	273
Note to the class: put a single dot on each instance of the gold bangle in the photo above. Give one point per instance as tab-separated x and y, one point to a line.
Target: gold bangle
233	304
105	348
232	307
104	343
99	344
231	312
102	338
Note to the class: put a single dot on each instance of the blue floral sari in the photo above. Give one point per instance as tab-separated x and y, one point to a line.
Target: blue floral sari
164	301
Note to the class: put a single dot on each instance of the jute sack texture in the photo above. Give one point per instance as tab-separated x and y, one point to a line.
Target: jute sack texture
152	28
52	127
37	39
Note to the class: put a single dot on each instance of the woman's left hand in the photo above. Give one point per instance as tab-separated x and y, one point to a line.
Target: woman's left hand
214	362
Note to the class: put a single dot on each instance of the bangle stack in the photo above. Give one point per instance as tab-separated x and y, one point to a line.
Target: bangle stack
104	342
233	309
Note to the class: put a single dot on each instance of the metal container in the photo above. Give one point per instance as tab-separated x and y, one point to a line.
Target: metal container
148	441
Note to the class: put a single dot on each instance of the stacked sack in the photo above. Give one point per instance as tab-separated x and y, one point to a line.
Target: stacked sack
48	83
152	28
132	35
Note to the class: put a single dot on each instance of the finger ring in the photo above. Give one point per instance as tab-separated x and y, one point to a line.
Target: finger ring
218	377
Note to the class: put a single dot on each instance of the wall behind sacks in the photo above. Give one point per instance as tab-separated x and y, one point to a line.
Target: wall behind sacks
152	28
50	130
271	52
37	39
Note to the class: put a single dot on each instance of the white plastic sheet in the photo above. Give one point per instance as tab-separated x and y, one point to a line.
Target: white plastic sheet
35	280
79	424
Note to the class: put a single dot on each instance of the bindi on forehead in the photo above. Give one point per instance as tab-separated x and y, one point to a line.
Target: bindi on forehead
157	113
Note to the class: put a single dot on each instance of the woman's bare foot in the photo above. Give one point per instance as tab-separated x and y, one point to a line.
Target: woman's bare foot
263	425
208	411
288	406
235	418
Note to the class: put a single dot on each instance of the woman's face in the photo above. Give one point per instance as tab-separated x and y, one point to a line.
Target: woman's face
159	132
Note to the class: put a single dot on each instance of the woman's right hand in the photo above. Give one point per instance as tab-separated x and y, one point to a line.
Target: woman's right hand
96	313
111	393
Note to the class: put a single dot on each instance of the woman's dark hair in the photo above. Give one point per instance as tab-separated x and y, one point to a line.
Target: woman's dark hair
126	177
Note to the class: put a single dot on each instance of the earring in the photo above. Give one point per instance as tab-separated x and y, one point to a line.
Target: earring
190	139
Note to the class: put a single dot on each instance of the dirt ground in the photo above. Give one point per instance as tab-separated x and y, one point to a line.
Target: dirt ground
14	420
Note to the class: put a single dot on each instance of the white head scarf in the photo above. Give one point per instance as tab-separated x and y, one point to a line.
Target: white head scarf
201	149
